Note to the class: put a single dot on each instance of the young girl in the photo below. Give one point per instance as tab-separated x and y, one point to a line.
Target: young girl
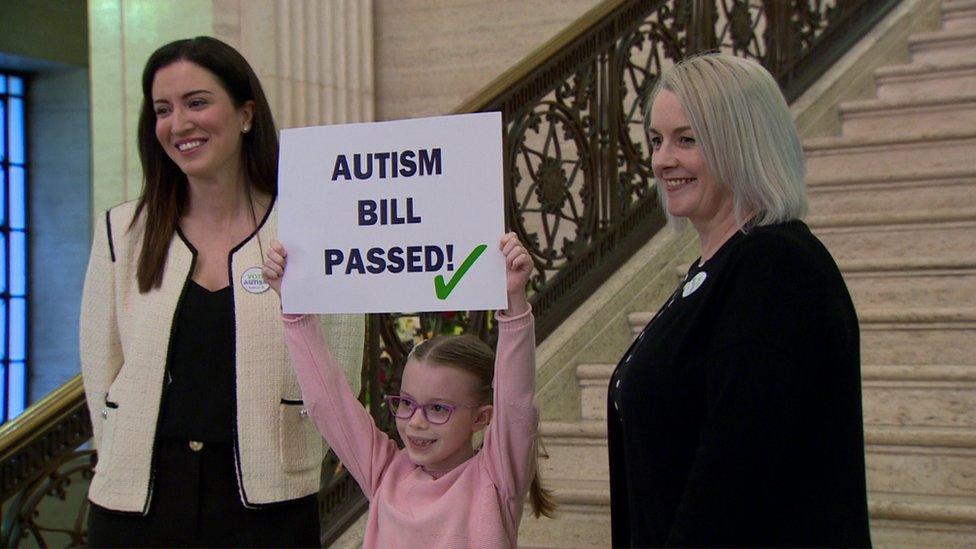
438	491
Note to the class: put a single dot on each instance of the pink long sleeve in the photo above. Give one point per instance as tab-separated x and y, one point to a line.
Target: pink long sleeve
338	415
476	504
510	443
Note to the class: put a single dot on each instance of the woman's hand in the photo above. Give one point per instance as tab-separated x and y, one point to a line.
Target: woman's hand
274	266
518	267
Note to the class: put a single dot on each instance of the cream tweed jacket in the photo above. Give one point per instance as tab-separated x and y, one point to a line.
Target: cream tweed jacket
125	339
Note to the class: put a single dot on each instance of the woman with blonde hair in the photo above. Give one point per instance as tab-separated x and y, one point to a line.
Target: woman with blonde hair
735	417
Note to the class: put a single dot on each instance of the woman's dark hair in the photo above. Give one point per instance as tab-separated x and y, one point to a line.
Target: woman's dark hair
164	191
472	355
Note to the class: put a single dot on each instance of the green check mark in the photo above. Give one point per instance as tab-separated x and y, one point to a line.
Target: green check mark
443	290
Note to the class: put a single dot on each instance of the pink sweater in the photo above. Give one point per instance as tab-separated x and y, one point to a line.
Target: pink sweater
478	503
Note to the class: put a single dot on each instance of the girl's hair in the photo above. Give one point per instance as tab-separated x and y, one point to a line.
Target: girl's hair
472	355
746	131
164	191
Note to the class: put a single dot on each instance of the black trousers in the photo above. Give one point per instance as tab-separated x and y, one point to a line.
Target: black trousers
195	503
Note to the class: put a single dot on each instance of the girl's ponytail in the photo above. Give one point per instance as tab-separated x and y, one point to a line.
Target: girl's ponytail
542	500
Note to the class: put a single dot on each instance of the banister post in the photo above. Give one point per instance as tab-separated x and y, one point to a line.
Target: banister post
778	36
701	27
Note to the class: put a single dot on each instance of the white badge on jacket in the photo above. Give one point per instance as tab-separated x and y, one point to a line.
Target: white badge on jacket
693	284
253	281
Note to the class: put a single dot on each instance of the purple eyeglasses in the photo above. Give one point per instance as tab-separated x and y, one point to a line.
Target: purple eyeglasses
436	413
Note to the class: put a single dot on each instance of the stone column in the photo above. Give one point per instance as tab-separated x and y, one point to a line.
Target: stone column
314	59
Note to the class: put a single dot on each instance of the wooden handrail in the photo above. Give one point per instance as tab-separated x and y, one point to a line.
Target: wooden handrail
30	442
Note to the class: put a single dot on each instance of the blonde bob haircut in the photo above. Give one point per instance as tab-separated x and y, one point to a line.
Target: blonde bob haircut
746	132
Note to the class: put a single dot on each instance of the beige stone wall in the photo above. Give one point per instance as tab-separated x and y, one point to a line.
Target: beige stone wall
433	54
314	57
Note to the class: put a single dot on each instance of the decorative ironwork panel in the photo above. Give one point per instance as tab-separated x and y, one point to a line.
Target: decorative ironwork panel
53	509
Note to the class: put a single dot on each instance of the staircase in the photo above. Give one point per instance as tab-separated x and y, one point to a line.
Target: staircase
894	200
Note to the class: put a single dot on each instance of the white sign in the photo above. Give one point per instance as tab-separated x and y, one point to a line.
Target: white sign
393	216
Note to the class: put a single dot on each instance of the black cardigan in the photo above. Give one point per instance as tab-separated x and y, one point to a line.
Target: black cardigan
735	417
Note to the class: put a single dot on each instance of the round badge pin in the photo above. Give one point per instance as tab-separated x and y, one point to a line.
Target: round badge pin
253	281
693	284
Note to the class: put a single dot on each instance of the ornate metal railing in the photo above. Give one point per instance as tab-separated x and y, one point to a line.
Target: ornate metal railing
577	191
40	460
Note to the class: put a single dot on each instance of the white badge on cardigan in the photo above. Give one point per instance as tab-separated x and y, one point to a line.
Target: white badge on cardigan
253	281
693	284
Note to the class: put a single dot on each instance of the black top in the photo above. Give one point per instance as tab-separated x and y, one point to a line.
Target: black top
200	392
735	417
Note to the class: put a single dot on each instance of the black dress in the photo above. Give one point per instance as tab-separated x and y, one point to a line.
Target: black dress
196	500
735	417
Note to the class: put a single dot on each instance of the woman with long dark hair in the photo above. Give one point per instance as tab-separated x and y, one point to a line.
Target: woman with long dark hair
201	432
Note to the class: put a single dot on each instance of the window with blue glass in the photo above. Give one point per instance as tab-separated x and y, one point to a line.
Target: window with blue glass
13	246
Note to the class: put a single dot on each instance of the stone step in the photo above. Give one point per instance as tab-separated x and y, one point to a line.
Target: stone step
916	190
918	372
904	534
885	266
908	394
917	403
928	288
889	155
897	264
581	520
893	116
919	478
925	79
958	14
909	460
921	461
896	522
903	395
939	237
575	450
859	220
918	343
600	374
943	46
570	529
593	380
590	434
898	506
902	337
876	318
899	520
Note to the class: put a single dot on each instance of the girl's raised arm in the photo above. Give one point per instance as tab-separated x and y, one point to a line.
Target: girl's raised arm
331	404
510	443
